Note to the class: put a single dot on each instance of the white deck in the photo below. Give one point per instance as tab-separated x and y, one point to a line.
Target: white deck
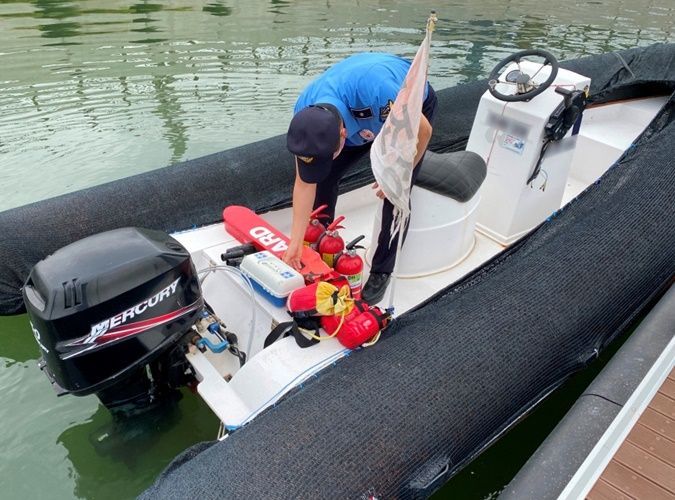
605	133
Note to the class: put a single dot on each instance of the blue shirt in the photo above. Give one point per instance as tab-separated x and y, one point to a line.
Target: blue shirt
362	87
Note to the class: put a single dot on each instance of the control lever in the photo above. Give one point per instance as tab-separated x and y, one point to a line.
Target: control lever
566	114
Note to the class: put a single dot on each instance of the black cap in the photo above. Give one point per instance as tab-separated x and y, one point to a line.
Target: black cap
313	137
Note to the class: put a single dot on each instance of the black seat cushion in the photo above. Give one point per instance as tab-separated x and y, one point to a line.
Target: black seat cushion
457	175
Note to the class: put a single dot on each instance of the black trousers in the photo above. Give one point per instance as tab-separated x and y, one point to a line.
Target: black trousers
327	193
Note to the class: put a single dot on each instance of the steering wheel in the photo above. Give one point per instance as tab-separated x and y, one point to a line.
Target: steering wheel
525	87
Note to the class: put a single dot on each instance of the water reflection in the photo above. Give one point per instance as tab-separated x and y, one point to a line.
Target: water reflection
149	40
169	110
113	458
217	8
278	7
124	86
116	458
145	8
58	9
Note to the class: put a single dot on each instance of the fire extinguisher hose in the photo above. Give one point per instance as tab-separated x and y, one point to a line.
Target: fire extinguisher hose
383	324
373	341
337	330
300	334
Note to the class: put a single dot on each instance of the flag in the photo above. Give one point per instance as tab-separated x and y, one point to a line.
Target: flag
393	151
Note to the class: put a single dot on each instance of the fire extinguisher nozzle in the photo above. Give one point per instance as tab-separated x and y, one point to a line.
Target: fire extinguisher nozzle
318	212
352	244
336	223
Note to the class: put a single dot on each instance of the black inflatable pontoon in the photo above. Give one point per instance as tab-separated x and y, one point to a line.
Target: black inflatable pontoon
556	461
398	419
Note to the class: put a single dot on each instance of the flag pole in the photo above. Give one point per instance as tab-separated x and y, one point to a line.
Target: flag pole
431	26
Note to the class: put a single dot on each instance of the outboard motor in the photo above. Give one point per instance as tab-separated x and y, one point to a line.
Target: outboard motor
112	314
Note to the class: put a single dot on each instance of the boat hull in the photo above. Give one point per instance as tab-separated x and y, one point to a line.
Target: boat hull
398	419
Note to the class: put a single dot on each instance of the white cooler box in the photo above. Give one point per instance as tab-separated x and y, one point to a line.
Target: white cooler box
271	277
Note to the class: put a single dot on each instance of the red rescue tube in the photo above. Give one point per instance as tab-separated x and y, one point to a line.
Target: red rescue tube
248	227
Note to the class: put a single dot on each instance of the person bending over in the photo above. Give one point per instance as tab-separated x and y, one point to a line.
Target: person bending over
336	119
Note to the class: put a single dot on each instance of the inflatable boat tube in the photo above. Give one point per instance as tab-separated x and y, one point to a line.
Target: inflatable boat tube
555	462
398	419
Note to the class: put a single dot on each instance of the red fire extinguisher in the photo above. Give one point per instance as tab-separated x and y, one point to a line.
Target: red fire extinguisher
363	328
331	244
350	265
332	323
315	229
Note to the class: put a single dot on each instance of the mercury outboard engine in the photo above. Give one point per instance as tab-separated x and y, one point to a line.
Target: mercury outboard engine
112	314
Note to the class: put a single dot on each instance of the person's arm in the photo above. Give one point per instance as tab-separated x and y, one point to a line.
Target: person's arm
387	93
303	202
423	138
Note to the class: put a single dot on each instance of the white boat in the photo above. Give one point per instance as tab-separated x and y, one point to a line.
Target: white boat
449	240
472	232
272	372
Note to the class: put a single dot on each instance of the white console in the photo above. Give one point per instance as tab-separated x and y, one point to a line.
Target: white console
509	136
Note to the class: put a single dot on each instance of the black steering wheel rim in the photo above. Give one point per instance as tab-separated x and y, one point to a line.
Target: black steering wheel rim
493	79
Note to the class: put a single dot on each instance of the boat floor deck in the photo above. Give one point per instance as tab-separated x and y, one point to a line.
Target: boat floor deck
644	464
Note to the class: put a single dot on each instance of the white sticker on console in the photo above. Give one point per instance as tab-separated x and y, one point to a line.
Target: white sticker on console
514	144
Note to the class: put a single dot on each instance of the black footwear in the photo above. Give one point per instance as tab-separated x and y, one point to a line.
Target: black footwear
375	287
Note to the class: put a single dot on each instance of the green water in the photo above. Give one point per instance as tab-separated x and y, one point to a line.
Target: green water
95	90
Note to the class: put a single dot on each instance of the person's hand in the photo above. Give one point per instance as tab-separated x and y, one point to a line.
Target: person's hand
293	254
379	193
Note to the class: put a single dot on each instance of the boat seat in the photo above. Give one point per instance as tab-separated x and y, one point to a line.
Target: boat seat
445	200
457	175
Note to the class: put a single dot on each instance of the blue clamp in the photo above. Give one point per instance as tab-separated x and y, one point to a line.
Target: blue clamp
217	348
